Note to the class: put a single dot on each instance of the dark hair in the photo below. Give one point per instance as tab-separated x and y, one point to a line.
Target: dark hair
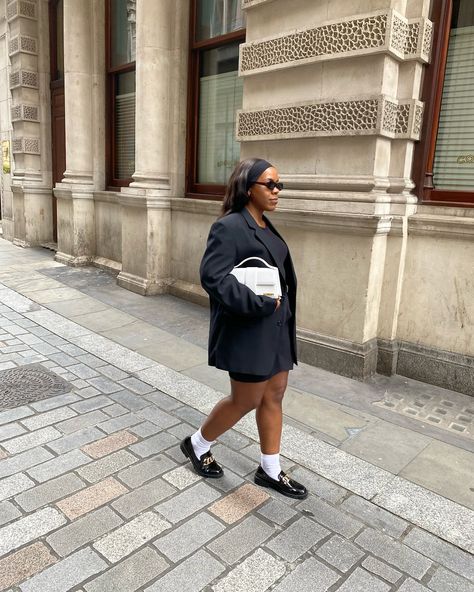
236	194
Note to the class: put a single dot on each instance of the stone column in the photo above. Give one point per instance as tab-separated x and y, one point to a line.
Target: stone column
146	218
76	223
28	50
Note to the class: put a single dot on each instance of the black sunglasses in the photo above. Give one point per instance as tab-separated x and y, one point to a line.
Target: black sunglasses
271	184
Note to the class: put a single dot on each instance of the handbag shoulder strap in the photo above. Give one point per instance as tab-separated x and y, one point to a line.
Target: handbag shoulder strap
254	258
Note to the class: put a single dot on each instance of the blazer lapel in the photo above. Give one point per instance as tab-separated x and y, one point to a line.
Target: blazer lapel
261	235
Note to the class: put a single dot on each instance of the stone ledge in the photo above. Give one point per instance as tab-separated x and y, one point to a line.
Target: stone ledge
454	227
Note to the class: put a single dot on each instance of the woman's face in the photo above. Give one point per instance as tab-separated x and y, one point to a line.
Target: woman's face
261	197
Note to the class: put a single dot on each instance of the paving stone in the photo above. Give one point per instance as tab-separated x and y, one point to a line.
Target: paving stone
55	402
446	581
48	418
90	498
137	386
23	564
130	574
83	371
381	569
234	440
181	431
163	401
362	581
115	410
127	538
29	528
333	518
393	552
153	445
175	453
442	552
256	573
319	486
341	554
181	477
90	360
31	440
109	444
119	423
188	502
81	421
23	461
412	586
72	350
189	537
112	372
203	567
129	400
236	461
14	484
83	531
104	385
143	498
145	429
57	466
8	512
228	482
158	416
145	470
49	492
99	469
277	512
309	576
92	404
68	573
89	391
239	503
297	538
240	540
75	440
62	359
191	415
12	430
14	414
375	516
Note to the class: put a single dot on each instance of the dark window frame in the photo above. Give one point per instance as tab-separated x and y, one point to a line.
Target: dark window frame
441	15
193	189
112	72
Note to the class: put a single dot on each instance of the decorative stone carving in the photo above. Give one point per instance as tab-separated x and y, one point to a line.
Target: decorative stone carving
22	44
26	146
380	32
23	78
21	8
381	115
25	113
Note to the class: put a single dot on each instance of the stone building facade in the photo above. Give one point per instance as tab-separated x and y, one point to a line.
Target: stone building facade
342	96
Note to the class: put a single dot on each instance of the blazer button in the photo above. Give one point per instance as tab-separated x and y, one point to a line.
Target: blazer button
279	323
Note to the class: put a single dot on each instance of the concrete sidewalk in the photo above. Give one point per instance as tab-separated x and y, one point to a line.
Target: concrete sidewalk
97	495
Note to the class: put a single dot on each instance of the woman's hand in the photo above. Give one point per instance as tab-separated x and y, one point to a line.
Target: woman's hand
278	302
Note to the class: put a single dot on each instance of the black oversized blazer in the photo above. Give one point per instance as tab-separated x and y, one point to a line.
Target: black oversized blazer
244	327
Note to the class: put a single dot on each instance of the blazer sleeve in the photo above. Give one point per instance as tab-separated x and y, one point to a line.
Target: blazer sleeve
217	263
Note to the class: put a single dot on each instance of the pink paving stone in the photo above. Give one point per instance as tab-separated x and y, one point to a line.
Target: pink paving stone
23	564
3	454
239	503
90	498
109	444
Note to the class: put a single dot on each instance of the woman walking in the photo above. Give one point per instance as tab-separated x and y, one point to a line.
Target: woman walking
252	337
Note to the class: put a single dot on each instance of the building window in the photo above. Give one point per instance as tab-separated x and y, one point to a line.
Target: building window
217	29
448	155
121	47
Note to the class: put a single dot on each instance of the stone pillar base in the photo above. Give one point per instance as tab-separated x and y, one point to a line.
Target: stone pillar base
71	260
141	285
33	215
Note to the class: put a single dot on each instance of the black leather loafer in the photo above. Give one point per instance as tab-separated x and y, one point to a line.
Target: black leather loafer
206	466
283	484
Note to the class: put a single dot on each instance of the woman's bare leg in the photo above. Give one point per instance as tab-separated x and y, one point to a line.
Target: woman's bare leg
269	413
244	397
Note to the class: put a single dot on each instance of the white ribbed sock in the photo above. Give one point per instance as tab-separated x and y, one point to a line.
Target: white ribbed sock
200	444
271	464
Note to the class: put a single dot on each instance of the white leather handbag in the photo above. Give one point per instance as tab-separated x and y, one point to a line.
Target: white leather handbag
264	281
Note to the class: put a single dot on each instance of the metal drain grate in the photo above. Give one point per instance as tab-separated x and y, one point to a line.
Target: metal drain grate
27	384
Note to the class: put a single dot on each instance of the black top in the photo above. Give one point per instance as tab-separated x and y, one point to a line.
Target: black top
278	248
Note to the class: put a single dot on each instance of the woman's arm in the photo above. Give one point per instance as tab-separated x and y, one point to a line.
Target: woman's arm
216	265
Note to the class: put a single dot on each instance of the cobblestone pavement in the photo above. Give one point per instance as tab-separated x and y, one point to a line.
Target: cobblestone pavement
95	494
